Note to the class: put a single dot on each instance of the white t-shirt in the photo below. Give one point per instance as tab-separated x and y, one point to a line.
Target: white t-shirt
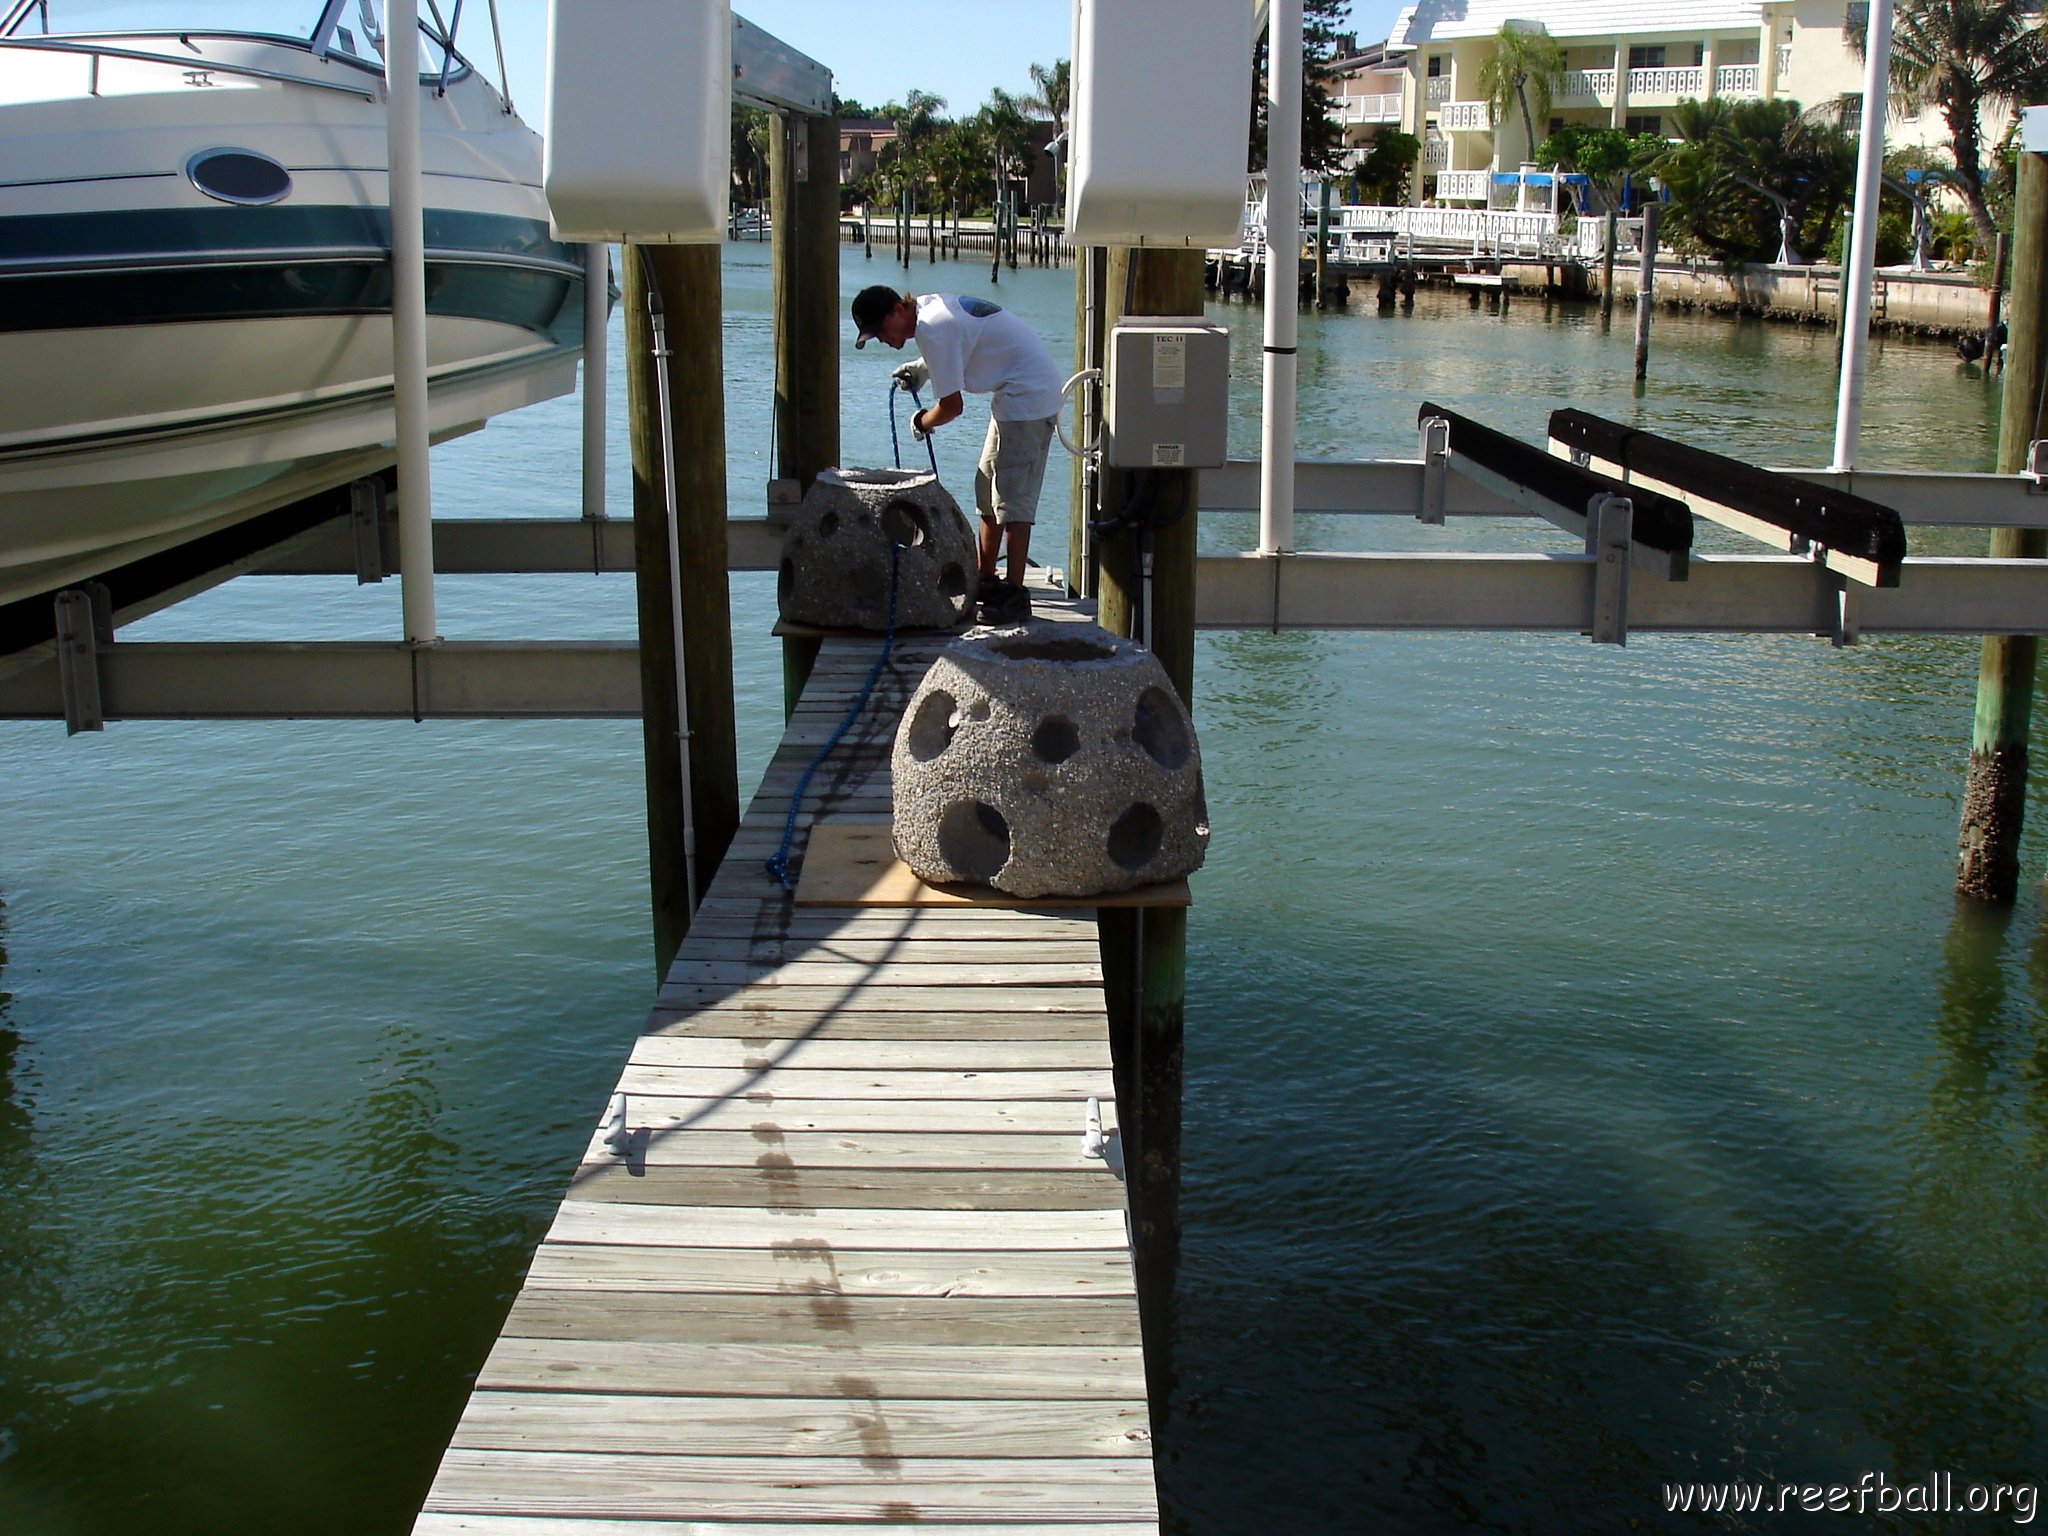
974	345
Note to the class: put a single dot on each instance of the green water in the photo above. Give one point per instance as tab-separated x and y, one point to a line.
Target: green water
1591	1082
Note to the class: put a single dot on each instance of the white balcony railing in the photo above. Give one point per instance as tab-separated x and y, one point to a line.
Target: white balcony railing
1586	240
1464	186
1784	62
1587	85
1689	81
1367	109
1738	80
1464	117
1436	154
1365	233
1436	88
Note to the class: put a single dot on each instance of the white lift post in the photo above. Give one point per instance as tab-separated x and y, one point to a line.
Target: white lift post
409	319
1283	277
1877	63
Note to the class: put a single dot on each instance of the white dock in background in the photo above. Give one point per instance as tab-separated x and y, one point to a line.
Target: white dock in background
853	1269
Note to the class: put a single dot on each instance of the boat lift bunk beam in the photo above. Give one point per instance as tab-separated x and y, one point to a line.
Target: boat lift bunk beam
1564	494
1853	536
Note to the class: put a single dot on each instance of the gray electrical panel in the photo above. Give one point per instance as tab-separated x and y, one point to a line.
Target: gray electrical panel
1169	393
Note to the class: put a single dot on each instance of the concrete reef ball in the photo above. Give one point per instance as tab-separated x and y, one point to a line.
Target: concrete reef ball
1048	759
835	553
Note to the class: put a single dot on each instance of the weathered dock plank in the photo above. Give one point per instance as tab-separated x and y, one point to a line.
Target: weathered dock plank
850	1268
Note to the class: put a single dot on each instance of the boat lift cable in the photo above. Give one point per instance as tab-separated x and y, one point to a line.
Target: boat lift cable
896	443
777	863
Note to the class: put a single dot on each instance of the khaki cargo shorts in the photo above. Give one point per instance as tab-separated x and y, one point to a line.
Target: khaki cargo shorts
1012	468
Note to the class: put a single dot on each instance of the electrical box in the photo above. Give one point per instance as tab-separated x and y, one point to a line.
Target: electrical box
639	120
1161	93
1169	393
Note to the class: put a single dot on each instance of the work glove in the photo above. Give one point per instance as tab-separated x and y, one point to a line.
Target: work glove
918	430
913	375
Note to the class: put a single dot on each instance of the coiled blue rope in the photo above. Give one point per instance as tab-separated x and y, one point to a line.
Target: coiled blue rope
777	863
895	444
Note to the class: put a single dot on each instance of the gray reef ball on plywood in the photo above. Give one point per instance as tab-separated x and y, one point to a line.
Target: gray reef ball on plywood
1048	759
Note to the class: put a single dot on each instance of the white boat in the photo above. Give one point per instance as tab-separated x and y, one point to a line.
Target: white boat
195	269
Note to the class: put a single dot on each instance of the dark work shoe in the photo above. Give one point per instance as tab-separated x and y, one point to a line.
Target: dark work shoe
1007	604
991	587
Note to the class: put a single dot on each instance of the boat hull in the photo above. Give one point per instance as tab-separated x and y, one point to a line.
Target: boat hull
171	364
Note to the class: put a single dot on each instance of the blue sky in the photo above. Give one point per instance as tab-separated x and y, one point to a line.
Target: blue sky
878	50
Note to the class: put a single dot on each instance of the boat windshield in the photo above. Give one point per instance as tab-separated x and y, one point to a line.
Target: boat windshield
344	29
259	18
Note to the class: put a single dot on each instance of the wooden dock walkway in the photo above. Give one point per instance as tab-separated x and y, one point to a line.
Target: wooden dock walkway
853	1271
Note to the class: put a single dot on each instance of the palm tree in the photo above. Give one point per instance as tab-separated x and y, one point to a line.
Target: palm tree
1055	91
1961	56
1526	67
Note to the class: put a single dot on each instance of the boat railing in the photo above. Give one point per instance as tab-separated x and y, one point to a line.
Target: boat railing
190	61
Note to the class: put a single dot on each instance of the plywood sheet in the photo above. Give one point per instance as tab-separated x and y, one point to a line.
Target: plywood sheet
854	864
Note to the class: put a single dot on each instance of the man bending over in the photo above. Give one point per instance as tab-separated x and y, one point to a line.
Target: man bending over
969	344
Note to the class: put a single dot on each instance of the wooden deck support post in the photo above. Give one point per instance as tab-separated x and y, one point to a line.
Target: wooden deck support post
1995	791
803	190
1144	951
688	281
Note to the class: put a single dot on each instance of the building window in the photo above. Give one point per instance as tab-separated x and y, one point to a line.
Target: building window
1436	65
1651	123
1646	57
1856	15
1556	124
1699	54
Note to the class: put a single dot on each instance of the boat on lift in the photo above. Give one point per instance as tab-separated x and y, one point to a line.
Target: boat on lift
195	268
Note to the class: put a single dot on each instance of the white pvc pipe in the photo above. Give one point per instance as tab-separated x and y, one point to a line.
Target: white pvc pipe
1283	278
409	318
596	280
1863	257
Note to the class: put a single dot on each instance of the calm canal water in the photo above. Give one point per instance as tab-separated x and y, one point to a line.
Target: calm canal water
1592	1083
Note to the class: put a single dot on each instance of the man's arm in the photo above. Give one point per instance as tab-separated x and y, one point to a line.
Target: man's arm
932	417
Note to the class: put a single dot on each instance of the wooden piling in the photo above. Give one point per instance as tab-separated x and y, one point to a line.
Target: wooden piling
1323	247
803	181
1646	286
1144	952
1999	253
1995	790
688	280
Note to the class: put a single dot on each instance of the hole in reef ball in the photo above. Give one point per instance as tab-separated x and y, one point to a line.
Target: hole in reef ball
932	727
828	524
952	579
975	840
903	522
785	580
1135	837
1025	649
1161	729
1055	740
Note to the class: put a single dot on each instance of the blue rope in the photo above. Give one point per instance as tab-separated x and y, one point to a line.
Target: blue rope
778	862
895	444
